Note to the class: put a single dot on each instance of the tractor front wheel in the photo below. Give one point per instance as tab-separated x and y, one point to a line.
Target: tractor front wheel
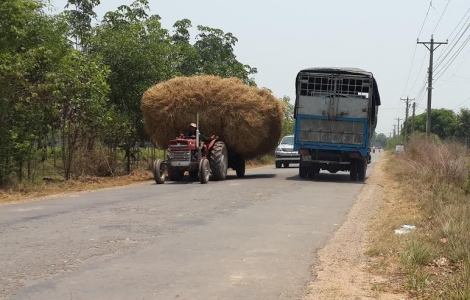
159	174
204	170
219	161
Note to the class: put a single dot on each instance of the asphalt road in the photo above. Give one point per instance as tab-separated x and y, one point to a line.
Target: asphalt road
251	238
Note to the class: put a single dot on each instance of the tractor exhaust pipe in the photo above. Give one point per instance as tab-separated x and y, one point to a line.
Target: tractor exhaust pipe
197	136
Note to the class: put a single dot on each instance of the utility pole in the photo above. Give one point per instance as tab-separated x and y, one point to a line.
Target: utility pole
398	125
394	130
407	101
431	49
413	120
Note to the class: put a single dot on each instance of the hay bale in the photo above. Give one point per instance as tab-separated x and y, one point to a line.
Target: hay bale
248	119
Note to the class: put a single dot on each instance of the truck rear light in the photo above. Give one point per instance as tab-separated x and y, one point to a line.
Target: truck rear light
303	152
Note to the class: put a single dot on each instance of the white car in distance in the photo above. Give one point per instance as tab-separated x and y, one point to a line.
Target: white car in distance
284	152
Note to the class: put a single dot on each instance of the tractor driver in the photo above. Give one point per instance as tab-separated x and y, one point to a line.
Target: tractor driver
192	133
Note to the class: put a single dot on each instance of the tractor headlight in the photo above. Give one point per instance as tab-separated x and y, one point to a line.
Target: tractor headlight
171	155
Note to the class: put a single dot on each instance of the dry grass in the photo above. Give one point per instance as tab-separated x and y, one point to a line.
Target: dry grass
247	118
426	187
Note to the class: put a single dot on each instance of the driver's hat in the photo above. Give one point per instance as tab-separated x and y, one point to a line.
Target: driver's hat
193	125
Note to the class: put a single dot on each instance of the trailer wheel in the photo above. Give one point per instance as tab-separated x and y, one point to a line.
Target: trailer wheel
353	172
204	170
219	161
240	167
159	174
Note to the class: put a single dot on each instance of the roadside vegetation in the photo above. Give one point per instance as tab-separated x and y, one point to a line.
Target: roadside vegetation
427	187
71	85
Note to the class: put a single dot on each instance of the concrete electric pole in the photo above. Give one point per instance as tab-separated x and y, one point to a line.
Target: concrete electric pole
398	125
407	101
431	49
413	119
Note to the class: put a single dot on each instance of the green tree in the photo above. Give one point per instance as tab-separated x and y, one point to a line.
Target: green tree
80	19
80	90
136	48
186	56
380	140
289	122
216	54
31	47
443	123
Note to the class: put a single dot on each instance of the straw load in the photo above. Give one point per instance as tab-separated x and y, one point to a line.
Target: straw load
248	119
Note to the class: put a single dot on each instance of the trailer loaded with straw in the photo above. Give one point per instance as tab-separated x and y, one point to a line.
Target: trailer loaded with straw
243	122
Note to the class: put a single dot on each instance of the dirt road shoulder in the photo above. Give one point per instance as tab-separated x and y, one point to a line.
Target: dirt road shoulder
342	269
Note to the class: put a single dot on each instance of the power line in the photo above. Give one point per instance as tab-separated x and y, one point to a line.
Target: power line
452	59
459	23
416	46
425	18
419	73
461	103
449	50
441	16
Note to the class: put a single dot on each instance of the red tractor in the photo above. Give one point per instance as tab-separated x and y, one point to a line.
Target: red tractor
199	160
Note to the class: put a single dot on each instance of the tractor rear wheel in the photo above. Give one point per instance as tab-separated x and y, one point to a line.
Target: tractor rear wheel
240	170
159	174
219	161
175	175
204	170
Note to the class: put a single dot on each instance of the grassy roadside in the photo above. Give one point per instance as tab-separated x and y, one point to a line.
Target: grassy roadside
25	191
427	187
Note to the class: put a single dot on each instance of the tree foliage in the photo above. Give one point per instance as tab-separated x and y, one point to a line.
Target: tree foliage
445	124
69	87
289	121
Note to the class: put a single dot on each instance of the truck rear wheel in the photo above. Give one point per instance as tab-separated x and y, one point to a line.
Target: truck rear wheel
303	172
361	170
313	171
219	161
353	171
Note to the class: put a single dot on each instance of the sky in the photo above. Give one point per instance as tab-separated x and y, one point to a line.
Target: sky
280	38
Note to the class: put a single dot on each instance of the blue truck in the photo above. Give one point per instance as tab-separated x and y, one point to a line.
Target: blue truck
335	118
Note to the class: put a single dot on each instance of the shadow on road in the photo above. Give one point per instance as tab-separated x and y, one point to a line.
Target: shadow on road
252	176
327	177
188	180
